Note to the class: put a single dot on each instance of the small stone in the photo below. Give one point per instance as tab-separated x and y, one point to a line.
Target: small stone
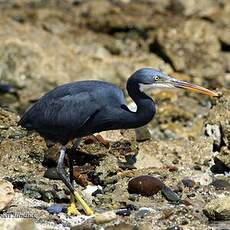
105	217
47	195
170	195
188	183
6	193
219	167
214	132
55	208
142	134
60	196
224	156
145	185
197	167
124	212
92	190
51	173
5	88
174	228
218	209
121	226
171	168
221	184
142	212
186	202
80	179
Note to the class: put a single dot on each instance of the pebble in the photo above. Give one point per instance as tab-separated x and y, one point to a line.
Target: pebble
188	182
55	208
51	173
47	196
142	134
86	222
101	218
170	195
174	228
6	193
5	88
221	184
93	190
122	226
142	212
145	185
219	167
197	167
124	212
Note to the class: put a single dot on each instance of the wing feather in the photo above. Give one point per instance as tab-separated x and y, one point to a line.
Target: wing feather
66	113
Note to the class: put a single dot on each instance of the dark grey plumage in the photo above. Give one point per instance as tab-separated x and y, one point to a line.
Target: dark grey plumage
61	114
82	108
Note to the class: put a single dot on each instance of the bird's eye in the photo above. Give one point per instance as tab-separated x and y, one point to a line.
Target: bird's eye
157	78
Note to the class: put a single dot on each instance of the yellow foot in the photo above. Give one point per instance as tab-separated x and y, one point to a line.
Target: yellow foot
88	211
72	210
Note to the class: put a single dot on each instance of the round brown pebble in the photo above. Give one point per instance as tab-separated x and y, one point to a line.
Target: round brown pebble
145	185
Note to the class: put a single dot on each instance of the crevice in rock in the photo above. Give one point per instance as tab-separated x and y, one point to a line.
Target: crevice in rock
224	46
208	19
156	48
219	167
143	33
217	148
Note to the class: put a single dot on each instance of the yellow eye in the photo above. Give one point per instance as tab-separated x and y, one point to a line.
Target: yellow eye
157	78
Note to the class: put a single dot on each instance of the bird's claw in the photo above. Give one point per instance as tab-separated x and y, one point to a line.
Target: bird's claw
72	210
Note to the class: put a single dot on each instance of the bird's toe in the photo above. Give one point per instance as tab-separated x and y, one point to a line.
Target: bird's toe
72	209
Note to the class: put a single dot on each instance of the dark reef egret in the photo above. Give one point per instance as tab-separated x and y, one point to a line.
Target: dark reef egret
83	108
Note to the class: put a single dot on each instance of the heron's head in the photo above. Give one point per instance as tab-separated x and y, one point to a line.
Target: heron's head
148	78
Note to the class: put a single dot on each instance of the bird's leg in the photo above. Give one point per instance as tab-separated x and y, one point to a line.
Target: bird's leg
63	176
72	209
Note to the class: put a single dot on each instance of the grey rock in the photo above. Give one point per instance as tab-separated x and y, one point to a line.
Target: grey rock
142	134
221	184
202	8
214	132
51	173
19	224
218	209
6	193
192	47
170	195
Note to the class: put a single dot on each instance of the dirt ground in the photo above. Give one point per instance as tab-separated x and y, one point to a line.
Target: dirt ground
186	146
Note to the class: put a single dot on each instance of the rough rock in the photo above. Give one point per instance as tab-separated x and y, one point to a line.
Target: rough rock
218	209
33	68
19	224
192	47
6	194
108	166
142	134
203	8
224	156
219	116
47	43
146	159
101	218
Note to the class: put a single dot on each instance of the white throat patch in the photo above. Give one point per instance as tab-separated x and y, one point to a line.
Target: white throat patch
146	87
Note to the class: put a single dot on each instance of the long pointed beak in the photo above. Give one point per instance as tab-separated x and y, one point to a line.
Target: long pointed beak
192	87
